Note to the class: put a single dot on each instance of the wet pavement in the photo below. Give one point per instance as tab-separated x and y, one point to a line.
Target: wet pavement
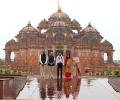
85	88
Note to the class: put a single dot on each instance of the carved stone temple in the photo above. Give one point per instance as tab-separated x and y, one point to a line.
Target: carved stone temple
59	33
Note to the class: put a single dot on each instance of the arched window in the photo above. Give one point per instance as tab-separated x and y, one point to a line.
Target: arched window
12	57
105	58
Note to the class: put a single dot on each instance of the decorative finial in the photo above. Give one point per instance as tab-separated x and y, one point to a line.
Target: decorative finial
89	24
29	24
59	8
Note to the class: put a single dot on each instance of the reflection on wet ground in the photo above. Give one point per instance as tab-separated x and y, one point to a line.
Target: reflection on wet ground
70	89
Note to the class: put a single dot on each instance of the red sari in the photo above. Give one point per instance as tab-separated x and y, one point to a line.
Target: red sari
68	67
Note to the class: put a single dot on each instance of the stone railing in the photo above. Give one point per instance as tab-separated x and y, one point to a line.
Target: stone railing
11	85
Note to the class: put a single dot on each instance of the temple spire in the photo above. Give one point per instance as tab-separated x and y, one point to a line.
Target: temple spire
29	24
59	8
89	24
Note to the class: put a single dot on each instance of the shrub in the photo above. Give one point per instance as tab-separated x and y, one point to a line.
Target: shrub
116	72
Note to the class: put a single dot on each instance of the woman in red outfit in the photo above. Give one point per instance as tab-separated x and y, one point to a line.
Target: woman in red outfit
68	66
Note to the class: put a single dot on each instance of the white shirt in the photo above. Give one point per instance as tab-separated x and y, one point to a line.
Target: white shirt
59	59
41	61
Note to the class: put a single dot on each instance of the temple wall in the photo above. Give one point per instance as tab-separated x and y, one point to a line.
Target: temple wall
90	58
96	59
33	56
85	57
27	57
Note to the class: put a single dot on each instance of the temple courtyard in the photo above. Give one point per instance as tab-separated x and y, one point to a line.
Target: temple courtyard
96	75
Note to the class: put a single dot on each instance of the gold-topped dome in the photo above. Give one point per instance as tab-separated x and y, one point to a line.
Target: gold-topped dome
59	14
29	29
89	29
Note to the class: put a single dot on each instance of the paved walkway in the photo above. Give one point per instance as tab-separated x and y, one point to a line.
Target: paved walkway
87	88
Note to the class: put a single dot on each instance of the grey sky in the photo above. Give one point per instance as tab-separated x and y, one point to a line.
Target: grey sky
104	15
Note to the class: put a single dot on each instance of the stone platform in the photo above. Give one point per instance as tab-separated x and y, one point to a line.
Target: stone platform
115	83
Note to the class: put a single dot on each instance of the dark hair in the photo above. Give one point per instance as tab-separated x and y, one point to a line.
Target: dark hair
51	51
68	54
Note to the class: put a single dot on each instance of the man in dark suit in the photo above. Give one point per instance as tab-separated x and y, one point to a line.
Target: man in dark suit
51	63
42	61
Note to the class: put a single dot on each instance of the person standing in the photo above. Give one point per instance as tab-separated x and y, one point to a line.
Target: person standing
43	62
51	64
77	65
68	67
60	64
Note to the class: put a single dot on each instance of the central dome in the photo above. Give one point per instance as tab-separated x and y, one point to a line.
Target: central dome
58	18
59	14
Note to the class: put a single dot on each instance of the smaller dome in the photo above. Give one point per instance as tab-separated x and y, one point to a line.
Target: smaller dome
75	22
12	41
29	29
89	29
43	22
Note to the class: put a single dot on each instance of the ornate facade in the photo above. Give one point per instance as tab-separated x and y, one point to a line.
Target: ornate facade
60	33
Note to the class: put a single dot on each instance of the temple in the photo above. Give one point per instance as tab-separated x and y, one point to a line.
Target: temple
59	33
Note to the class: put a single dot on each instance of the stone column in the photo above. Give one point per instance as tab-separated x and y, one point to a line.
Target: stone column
15	57
7	57
101	58
110	57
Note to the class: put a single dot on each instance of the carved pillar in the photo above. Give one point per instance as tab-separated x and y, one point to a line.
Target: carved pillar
110	57
15	57
7	56
101	58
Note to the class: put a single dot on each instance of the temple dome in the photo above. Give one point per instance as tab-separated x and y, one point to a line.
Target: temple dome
89	29
59	15
75	22
11	42
43	22
29	29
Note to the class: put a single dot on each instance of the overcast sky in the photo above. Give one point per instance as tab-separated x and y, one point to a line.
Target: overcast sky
104	15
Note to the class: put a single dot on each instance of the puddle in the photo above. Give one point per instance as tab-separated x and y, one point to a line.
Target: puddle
69	89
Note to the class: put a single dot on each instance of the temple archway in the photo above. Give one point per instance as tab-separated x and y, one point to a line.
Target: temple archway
105	58
12	57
